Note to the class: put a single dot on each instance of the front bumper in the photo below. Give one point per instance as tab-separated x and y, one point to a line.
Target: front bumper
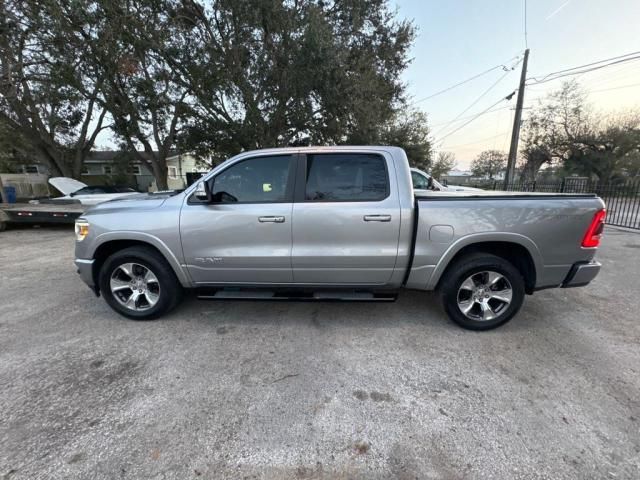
85	270
581	274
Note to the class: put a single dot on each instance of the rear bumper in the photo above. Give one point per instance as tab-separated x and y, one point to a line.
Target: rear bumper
581	274
85	270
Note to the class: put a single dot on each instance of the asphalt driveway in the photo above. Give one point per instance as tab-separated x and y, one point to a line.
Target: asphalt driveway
242	389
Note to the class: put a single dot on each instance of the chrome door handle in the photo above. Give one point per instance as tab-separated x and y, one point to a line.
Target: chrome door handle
271	219
377	218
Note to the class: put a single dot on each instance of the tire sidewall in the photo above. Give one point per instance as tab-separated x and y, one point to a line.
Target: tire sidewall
166	279
462	271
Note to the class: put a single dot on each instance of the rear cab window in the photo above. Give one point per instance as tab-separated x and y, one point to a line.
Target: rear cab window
346	177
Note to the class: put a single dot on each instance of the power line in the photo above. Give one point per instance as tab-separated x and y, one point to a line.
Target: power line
583	68
614	74
486	110
502	65
613	88
468	116
590	64
479	141
569	74
477	99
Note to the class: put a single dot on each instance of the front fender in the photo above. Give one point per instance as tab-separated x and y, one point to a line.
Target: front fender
147	238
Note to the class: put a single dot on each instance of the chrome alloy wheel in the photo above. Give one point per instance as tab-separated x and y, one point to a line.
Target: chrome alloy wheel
484	296
134	286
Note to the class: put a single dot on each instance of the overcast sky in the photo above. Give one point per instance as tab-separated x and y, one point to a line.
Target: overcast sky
460	38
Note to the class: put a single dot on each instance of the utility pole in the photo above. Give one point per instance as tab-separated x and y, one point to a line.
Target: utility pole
517	120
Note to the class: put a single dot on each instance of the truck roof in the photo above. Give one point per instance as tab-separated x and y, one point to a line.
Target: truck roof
331	148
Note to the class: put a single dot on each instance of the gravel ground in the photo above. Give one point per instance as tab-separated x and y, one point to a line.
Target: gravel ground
314	390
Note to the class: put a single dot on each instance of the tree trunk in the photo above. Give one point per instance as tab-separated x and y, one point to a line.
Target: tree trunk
54	161
159	166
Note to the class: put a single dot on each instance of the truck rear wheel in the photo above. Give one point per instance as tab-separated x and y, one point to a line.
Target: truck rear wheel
139	284
481	291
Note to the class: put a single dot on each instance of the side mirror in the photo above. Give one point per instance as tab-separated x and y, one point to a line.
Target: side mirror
429	183
203	192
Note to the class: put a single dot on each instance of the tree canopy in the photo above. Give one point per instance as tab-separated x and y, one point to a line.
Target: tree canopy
48	96
489	164
564	131
214	77
443	163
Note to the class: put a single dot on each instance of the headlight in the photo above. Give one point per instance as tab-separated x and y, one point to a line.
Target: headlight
82	229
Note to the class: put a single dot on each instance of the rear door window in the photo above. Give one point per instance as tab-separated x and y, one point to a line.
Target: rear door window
346	177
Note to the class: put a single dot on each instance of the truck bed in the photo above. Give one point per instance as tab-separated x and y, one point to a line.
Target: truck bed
549	226
495	194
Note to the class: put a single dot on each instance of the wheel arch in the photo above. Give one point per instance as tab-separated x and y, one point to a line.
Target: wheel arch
521	251
111	244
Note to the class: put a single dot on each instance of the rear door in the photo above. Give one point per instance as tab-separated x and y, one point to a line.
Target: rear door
243	237
346	219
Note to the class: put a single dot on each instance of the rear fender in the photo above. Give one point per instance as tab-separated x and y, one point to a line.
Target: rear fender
474	238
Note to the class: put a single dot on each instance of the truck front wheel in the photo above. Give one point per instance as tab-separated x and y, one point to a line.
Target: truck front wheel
481	291
139	284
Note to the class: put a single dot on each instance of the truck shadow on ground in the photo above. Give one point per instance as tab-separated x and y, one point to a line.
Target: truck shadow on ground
411	308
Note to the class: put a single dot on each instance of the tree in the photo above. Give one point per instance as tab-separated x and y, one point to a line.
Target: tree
552	125
489	163
134	45
609	151
564	130
15	150
48	96
215	76
411	132
271	74
445	161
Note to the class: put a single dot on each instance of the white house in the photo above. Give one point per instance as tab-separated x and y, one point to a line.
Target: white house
107	166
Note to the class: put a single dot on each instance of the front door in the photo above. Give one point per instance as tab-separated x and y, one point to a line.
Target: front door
244	237
346	222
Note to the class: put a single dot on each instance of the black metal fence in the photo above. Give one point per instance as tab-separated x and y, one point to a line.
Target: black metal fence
622	199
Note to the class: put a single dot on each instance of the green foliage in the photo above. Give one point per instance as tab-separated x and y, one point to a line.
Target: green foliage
275	73
47	95
610	151
489	164
213	77
444	162
563	131
410	132
15	150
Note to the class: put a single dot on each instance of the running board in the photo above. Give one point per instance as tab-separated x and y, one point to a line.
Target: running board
300	295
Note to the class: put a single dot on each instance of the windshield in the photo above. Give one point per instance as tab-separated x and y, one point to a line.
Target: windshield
421	182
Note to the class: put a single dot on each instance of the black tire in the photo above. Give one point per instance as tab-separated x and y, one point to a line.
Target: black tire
466	267
170	291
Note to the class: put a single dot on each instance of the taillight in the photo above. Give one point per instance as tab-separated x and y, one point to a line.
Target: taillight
594	232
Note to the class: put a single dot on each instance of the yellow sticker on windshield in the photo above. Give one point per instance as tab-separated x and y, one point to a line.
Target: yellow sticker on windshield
266	187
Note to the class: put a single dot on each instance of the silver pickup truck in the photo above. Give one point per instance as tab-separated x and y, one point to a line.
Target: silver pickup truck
335	223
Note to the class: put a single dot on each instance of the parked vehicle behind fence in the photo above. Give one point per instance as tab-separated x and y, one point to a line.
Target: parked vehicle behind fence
336	223
423	181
